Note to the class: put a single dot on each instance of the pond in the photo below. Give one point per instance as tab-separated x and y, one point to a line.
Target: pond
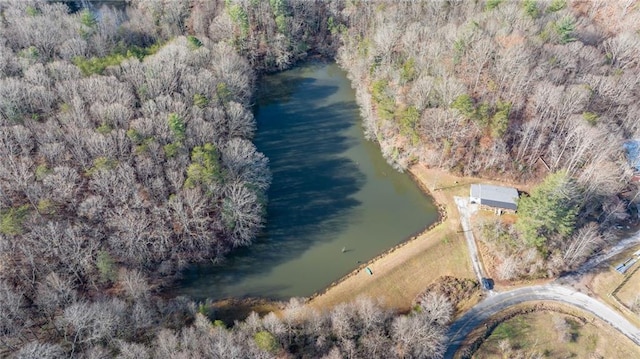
334	201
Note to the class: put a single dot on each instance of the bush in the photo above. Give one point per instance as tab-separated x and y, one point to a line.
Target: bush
106	267
200	100
266	341
464	104
531	8
205	168
11	220
101	164
556	5
492	4
177	126
194	42
171	149
591	118
565	28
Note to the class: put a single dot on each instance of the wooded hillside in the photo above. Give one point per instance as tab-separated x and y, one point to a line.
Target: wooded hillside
517	90
126	154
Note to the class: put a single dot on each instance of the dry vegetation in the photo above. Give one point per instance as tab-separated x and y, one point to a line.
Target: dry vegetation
555	335
126	154
629	292
507	89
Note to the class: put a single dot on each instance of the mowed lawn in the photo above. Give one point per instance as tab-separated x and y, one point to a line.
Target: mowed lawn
401	275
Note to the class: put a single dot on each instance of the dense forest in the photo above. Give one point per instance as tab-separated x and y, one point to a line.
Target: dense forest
125	138
518	90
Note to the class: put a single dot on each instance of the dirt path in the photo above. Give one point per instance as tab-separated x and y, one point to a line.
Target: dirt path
398	277
465	209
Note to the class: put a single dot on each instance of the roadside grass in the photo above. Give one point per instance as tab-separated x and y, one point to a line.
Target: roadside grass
605	282
556	335
630	291
403	274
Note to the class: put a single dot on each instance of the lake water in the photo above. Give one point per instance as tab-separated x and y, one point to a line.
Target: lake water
334	200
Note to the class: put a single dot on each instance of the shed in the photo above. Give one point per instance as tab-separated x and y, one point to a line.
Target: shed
494	196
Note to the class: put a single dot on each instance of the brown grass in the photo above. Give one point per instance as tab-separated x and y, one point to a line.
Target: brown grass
404	273
630	290
536	333
604	283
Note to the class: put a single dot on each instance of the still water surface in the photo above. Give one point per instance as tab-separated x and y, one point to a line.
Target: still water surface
331	191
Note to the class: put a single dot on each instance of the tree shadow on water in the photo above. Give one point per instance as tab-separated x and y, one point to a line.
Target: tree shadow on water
312	193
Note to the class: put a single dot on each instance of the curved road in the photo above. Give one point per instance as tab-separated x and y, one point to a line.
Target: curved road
498	302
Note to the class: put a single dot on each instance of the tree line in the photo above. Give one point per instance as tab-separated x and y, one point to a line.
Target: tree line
126	153
524	90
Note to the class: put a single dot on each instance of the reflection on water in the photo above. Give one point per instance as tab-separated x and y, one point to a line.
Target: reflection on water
333	201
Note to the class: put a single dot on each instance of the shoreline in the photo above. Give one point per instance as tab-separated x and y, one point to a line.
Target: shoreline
442	217
404	261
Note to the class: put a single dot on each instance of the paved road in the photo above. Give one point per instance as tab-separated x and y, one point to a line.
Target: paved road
465	213
498	302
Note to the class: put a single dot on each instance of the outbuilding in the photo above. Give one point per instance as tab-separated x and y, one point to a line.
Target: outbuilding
494	197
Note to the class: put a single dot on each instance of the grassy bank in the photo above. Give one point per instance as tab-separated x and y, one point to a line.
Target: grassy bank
401	275
554	331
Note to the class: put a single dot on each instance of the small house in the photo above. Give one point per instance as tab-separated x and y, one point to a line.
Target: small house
496	198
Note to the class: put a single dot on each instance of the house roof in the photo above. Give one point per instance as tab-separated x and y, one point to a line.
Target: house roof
495	196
